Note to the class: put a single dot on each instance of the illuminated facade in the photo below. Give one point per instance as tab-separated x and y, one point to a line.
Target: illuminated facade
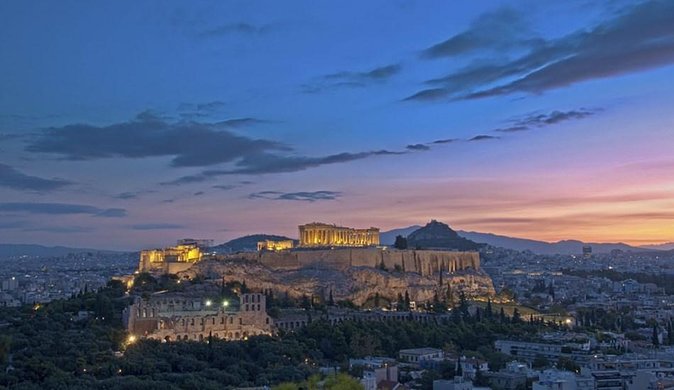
171	317
270	245
325	235
162	259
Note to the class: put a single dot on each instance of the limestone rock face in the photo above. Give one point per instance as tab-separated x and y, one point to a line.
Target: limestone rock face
356	283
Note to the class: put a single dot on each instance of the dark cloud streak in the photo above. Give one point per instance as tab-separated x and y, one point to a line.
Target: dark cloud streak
61	209
353	79
189	143
638	39
303	196
14	179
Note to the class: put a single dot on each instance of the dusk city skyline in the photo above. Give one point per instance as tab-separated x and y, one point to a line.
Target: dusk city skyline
129	125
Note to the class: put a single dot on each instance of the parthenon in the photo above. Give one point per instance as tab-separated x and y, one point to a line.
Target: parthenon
323	235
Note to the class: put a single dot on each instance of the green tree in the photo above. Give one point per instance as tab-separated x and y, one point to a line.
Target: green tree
342	382
400	242
540	361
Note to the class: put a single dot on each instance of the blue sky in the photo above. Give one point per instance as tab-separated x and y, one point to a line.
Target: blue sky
130	124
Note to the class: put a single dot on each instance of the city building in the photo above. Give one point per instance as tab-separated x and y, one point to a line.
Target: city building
554	379
10	284
587	252
318	234
421	357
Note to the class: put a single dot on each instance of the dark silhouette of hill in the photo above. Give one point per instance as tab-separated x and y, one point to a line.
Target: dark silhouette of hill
246	243
32	250
439	235
389	237
565	247
667	246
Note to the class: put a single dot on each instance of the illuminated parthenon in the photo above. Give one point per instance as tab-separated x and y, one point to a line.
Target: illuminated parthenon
322	234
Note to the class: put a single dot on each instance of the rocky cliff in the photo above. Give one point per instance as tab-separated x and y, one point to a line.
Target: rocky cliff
356	283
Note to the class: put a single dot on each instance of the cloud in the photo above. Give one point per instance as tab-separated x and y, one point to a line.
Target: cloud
198	193
297	196
444	141
417	147
224	187
353	79
132	194
482	138
61	208
241	122
112	213
501	29
157	226
188	143
188	179
270	163
538	120
12	178
637	39
260	164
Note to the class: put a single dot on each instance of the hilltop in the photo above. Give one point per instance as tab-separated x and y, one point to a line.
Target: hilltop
439	235
246	243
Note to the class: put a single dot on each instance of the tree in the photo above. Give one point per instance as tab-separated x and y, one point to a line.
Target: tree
376	300
655	339
331	300
567	364
463	305
306	302
400	306
400	242
489	311
342	382
5	344
517	318
407	300
540	361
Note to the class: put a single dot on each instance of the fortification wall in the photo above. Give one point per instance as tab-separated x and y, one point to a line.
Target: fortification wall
424	262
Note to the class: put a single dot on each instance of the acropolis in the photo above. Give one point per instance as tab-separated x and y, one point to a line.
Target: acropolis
318	234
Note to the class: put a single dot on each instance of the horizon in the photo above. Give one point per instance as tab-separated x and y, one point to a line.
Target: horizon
172	241
129	125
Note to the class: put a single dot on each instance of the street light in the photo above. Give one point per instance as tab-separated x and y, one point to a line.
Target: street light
225	304
208	303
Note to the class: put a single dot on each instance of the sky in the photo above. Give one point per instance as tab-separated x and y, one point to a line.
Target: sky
130	124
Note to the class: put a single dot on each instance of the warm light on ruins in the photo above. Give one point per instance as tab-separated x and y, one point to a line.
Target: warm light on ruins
271	245
321	235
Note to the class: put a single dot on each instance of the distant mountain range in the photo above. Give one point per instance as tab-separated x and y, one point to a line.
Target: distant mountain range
566	247
13	250
668	246
246	243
